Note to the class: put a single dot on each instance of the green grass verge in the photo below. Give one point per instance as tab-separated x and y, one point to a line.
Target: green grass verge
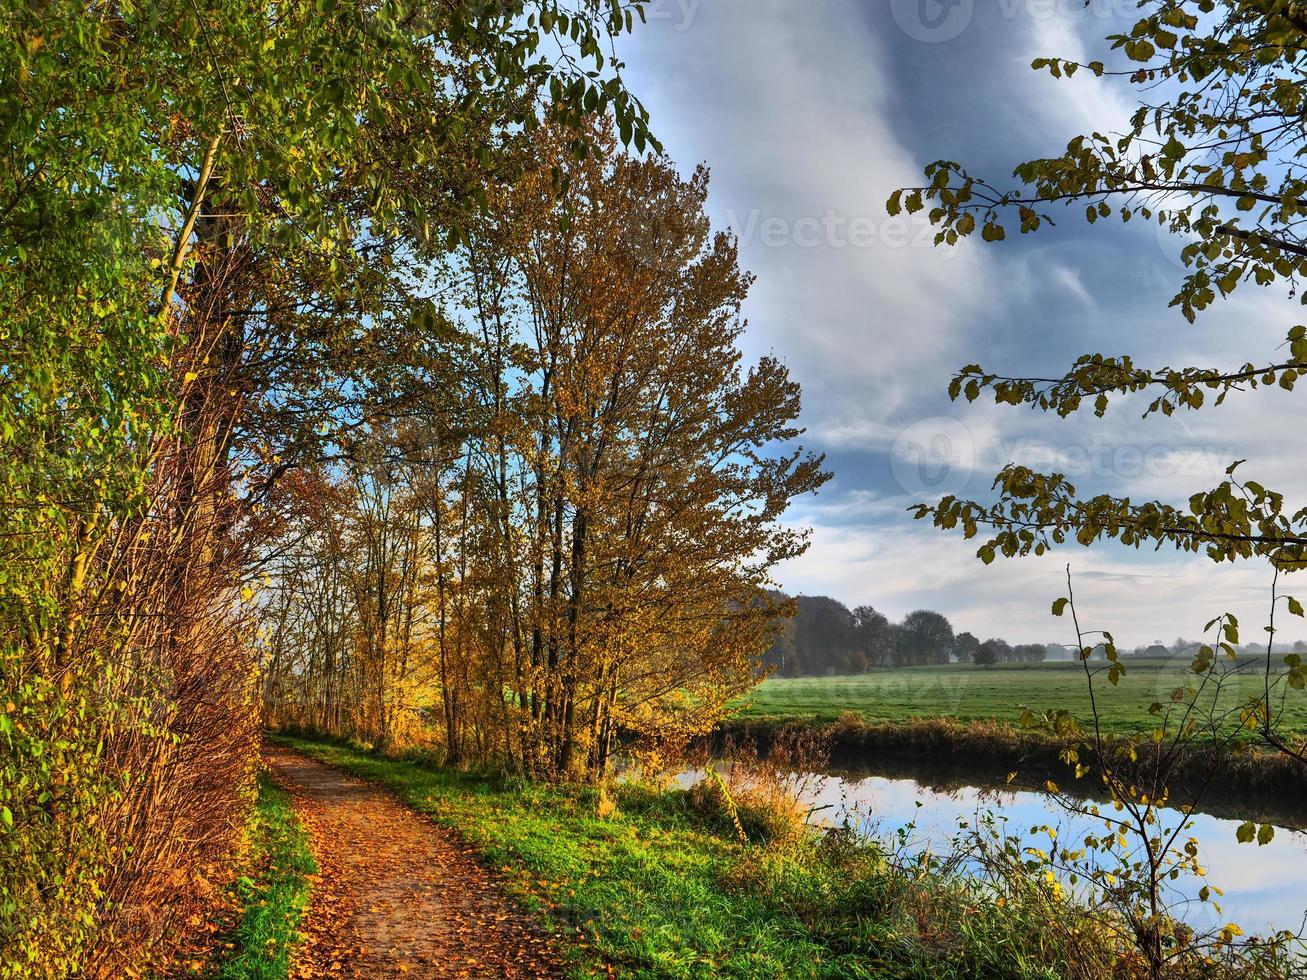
968	693
273	895
659	891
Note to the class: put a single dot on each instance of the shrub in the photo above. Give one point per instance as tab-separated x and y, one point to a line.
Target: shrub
753	813
764	798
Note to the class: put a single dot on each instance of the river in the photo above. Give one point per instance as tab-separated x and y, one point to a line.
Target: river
1265	887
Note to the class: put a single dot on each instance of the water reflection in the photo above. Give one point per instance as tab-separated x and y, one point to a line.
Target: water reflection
1265	888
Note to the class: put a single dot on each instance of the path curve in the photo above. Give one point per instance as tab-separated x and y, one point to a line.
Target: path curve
396	895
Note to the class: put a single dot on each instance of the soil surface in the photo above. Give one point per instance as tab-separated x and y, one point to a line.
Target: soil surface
396	895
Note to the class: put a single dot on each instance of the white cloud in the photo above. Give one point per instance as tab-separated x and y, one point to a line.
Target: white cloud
790	104
1083	103
920	567
1069	279
800	110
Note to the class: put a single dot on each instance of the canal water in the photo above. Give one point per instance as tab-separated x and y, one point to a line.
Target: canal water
1265	887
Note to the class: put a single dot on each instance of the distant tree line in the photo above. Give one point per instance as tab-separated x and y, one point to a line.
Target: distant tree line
826	637
1180	647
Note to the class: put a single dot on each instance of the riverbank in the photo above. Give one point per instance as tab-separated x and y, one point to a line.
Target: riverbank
652	888
1249	783
971	693
643	881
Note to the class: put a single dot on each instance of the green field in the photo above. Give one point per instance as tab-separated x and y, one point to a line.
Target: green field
658	889
274	893
970	693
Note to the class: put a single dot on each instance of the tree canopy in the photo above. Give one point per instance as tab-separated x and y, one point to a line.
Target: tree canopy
590	526
209	216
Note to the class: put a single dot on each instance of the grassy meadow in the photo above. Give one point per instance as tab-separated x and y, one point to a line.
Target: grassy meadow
639	883
969	693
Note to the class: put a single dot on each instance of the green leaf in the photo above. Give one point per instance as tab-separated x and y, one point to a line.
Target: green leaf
1059	607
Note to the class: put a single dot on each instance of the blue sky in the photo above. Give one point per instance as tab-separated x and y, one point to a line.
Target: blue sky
810	113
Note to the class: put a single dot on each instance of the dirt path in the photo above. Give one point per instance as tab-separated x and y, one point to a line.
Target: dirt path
398	896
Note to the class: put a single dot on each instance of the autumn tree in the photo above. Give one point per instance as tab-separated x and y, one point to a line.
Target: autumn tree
1212	153
647	468
205	213
596	532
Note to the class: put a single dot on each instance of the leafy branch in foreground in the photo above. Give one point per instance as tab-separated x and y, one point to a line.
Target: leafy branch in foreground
1213	152
1136	856
1036	511
1218	158
1095	379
